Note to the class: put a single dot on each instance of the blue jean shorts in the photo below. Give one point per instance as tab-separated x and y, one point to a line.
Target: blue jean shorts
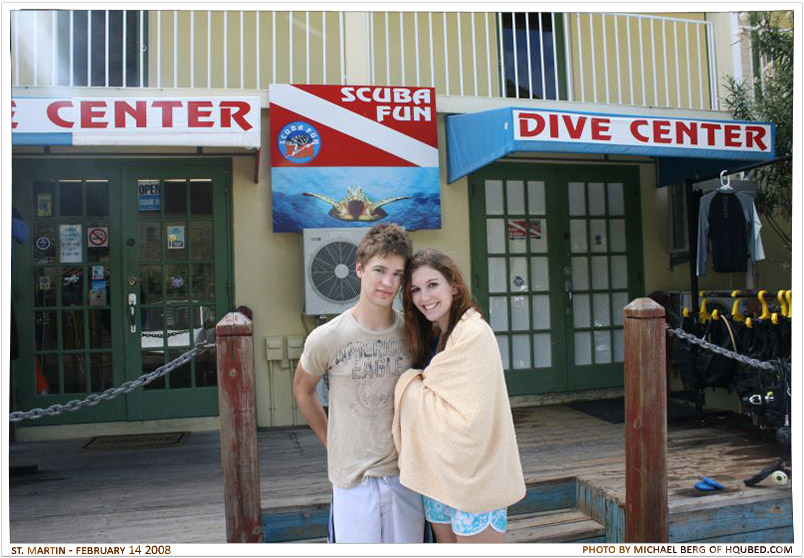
464	523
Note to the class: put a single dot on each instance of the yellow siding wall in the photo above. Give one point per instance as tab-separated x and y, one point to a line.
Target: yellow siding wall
397	35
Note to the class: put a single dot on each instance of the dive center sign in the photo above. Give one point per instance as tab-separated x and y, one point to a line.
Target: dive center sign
193	121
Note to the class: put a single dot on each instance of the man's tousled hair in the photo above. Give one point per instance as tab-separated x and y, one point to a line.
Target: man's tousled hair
385	239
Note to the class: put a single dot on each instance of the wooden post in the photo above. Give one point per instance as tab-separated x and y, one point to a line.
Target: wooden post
645	422
237	401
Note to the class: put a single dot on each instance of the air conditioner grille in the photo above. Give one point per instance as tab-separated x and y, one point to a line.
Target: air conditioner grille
332	271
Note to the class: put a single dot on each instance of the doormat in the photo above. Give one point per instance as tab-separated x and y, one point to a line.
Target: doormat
137	441
610	410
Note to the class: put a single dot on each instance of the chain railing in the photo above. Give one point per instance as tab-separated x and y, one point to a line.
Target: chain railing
752	362
95	398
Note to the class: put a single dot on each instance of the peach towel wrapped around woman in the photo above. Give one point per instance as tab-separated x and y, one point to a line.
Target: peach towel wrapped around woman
453	427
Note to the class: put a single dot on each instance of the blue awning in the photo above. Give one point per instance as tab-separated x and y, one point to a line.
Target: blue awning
683	147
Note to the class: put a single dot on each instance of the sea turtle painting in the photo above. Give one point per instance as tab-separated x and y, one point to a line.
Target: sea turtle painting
356	206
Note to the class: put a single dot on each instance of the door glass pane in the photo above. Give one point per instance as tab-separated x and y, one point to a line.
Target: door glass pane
151	360
536	205
521	349
150	242
177	282
597	200
98	198
176	237
495	236
494	197
152	328
497	275
181	376
617	231
520	308
175	197
100	329
75	378
498	310
618	302
580	310
516	197
177	323
206	370
577	201
538	236
72	329
580	273
600	272
71	198
619	346
202	240
619	272
602	347
616	204
50	370
602	314
583	348
72	286
203	318
201	197
578	235
46	331
542	350
101	370
45	281
541	312
597	235
203	282
45	243
539	274
518	274
151	284
502	342
517	236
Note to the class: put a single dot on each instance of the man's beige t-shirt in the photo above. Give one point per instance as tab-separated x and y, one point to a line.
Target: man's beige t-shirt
364	366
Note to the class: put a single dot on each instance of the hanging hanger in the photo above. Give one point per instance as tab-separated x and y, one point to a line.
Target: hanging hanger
782	303
765	314
725	182
787	296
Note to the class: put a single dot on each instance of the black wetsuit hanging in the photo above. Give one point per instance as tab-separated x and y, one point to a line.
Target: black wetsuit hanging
728	234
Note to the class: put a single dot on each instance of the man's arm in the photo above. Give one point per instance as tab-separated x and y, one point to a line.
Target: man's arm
306	399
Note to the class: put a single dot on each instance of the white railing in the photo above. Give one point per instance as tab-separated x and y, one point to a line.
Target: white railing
187	48
624	59
601	58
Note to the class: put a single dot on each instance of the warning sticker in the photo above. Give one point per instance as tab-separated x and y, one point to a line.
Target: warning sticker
98	237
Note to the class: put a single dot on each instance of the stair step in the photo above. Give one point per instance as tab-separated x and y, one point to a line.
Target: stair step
553	526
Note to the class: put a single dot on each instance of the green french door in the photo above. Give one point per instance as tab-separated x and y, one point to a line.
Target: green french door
557	254
127	264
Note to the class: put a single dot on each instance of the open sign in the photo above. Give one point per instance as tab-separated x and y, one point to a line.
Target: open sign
149	195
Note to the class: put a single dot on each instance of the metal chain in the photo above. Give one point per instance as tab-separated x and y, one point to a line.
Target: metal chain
162	335
752	362
95	398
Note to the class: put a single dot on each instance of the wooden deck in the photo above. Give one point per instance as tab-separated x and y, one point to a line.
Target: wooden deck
175	494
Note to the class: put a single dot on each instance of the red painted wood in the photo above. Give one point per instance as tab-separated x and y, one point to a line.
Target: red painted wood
645	422
237	401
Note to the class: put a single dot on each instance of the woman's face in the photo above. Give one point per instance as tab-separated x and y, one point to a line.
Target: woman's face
432	295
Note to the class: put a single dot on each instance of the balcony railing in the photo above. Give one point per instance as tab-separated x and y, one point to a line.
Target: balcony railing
619	59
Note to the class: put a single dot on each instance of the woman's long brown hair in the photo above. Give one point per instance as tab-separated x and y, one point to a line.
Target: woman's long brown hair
420	333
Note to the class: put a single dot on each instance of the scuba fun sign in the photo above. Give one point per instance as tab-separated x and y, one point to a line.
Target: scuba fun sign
350	156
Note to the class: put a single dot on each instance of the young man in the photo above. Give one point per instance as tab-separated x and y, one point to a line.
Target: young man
364	352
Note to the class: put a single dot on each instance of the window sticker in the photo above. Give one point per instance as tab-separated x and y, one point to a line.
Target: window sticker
175	237
149	195
71	243
44	204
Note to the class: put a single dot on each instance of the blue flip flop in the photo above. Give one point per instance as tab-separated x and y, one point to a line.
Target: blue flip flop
704	487
712	482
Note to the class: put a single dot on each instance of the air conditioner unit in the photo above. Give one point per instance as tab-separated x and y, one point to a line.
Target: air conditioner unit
330	283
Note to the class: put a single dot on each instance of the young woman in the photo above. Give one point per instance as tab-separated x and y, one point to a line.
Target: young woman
452	420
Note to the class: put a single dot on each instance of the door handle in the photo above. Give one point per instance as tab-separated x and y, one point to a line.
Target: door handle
568	289
132	312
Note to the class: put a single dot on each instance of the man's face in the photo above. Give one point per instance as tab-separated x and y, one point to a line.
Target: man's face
380	279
